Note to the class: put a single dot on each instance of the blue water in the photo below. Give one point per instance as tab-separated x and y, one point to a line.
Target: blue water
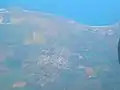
92	12
86	12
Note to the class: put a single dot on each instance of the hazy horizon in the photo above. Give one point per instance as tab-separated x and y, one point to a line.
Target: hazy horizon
85	12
